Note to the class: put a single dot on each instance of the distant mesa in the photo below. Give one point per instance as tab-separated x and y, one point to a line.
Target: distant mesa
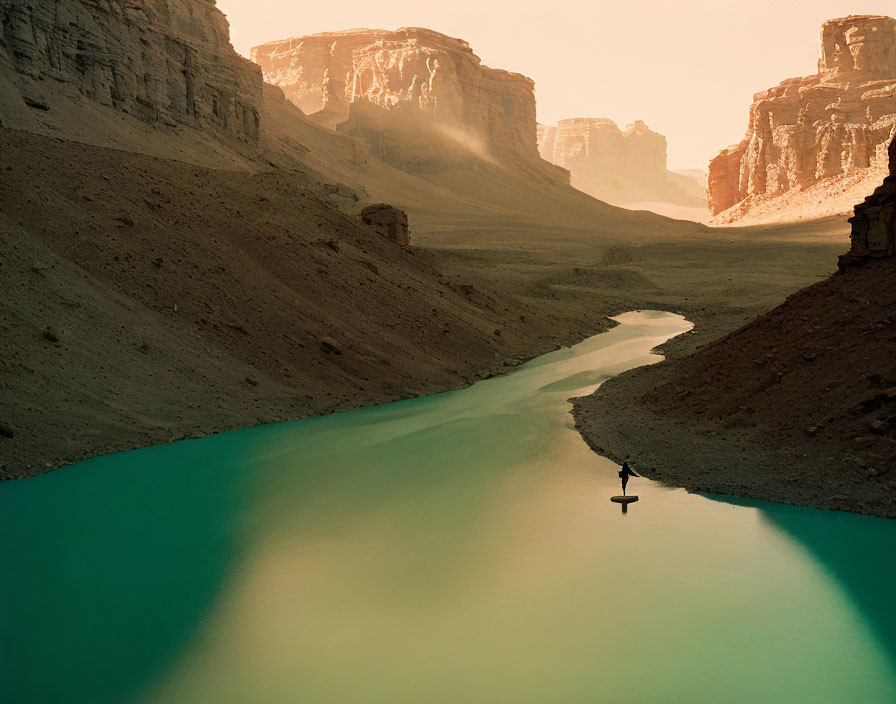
620	167
416	97
815	145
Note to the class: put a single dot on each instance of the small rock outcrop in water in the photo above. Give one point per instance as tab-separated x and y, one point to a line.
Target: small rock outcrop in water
874	223
617	166
815	145
389	222
405	93
167	61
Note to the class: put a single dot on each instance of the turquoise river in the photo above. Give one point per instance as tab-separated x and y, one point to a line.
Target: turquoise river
457	548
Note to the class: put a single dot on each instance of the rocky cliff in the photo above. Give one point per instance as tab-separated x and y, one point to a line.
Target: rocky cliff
621	167
411	84
873	233
815	145
161	61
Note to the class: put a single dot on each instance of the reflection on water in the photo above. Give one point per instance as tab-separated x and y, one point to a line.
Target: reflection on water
855	551
456	548
108	568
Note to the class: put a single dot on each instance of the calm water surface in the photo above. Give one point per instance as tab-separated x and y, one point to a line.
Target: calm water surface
458	548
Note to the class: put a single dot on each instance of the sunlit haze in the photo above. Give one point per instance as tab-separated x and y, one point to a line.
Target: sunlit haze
688	68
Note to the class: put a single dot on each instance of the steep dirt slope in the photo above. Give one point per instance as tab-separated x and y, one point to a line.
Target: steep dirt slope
798	407
147	300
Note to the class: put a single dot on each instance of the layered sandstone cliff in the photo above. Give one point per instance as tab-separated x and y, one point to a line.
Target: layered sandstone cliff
622	167
817	144
165	62
400	91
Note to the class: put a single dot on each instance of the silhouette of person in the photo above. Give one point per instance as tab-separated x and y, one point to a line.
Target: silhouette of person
624	474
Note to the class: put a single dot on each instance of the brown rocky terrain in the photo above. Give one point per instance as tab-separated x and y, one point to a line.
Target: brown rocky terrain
818	144
799	406
620	167
178	261
148	300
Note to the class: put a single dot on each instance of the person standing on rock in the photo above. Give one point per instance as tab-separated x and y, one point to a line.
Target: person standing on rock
624	474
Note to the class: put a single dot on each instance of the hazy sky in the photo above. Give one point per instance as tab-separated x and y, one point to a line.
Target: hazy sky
688	68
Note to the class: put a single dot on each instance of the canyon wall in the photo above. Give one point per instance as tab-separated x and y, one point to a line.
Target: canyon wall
371	83
873	233
163	62
816	145
617	166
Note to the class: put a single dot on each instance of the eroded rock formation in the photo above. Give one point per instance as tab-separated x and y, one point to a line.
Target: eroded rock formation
389	222
164	61
874	223
373	82
819	130
614	165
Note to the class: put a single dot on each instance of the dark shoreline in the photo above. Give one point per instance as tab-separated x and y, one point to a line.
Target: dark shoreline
703	457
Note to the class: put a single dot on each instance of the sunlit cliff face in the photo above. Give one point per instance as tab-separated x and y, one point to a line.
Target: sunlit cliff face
816	145
867	46
403	90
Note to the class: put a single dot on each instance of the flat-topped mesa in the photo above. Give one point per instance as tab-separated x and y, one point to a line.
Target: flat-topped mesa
646	151
368	82
162	61
583	144
827	132
614	165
